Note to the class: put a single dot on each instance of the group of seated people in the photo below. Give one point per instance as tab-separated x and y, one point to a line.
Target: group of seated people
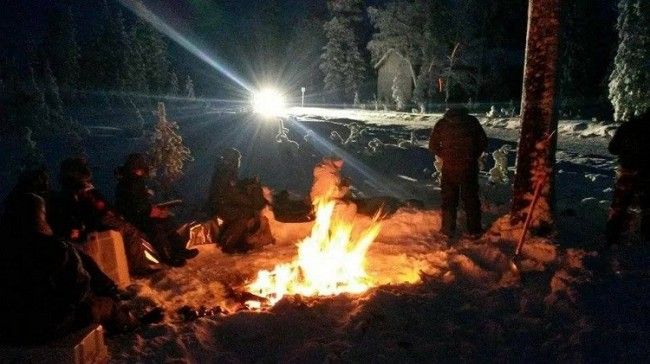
78	209
55	287
50	286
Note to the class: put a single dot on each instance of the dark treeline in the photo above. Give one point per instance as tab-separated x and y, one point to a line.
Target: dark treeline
474	50
332	46
471	47
64	63
62	70
113	66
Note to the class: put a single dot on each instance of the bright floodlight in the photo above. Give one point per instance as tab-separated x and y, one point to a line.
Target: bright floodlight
268	103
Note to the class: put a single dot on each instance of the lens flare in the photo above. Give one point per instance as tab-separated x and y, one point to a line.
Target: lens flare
269	103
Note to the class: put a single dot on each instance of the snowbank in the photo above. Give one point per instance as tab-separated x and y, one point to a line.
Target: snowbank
579	128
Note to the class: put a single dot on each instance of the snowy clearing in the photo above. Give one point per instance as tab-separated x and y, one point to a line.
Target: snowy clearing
433	301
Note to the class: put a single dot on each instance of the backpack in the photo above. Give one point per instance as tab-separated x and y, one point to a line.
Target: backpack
243	235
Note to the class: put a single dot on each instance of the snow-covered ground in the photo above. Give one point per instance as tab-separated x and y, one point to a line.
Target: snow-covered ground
432	301
581	128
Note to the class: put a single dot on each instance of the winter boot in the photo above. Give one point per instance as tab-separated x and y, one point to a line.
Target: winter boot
178	247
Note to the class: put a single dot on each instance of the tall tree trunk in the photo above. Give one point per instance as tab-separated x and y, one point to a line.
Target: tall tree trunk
538	140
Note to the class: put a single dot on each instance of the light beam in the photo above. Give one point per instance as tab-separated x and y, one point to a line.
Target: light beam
141	11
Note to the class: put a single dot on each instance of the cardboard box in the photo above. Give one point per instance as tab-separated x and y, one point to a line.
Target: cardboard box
107	249
85	346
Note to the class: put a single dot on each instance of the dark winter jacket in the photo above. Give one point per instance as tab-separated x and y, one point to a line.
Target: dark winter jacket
459	140
630	144
82	210
229	198
31	181
133	199
43	284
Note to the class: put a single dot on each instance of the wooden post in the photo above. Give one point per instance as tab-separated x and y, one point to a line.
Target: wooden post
535	153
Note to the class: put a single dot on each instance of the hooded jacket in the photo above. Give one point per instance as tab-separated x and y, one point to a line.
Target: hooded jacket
459	139
630	145
42	278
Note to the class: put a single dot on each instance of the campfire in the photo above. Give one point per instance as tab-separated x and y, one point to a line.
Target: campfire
330	261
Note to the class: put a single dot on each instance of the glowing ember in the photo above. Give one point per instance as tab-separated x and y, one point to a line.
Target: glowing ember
329	261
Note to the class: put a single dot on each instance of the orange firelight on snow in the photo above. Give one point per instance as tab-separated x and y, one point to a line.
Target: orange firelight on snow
329	261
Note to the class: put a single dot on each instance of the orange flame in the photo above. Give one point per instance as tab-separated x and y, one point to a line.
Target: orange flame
329	261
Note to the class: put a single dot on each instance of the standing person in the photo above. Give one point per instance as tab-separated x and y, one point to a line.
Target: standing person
633	177
134	200
459	140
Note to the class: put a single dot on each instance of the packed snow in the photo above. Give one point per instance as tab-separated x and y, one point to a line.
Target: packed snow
432	300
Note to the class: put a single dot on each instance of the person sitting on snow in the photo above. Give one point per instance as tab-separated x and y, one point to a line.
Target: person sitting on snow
134	200
459	140
79	209
238	204
35	181
48	288
633	177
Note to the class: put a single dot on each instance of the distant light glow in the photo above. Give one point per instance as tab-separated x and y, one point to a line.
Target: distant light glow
269	102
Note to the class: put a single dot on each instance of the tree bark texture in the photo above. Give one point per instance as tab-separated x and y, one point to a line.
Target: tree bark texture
538	140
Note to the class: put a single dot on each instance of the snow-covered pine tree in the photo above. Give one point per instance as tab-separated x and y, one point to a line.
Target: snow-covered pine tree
341	61
62	50
106	62
136	73
421	90
155	56
32	106
189	88
61	124
136	121
628	83
538	141
115	41
173	85
51	89
167	152
9	112
26	154
332	59
58	122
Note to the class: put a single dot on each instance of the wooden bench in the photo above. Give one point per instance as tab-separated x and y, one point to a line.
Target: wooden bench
85	346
